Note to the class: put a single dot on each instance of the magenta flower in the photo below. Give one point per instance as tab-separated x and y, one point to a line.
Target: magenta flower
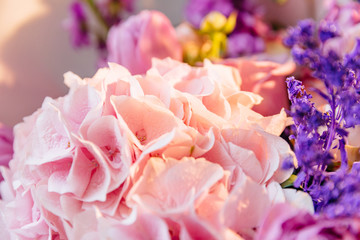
77	25
286	222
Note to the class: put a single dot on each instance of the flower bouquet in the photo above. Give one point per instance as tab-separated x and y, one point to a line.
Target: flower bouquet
173	139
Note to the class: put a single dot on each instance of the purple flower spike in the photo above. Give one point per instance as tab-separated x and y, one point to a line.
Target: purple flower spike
334	189
340	195
328	30
77	25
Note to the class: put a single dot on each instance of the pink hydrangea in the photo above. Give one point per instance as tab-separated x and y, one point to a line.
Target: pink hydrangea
177	151
266	78
6	145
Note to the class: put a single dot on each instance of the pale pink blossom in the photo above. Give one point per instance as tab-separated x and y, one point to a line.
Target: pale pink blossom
73	151
177	151
21	217
136	41
6	145
265	78
212	92
347	19
256	153
245	207
158	189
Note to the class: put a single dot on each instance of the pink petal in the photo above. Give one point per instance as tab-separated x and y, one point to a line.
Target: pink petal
172	186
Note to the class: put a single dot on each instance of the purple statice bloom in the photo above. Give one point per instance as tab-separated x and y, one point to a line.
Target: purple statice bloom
245	39
244	43
77	25
196	10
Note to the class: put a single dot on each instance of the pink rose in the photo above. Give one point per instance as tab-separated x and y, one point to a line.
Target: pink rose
136	41
286	222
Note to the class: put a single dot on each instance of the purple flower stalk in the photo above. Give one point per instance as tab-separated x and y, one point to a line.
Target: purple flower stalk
340	193
317	133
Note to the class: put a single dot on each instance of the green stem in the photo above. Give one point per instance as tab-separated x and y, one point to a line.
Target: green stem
97	14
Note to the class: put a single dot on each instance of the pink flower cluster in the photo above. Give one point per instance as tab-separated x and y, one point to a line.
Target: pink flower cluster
6	145
175	153
346	19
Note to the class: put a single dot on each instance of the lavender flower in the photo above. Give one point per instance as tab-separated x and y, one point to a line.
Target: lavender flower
340	194
309	144
328	30
316	134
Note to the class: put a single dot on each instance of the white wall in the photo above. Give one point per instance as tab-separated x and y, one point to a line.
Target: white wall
173	9
35	52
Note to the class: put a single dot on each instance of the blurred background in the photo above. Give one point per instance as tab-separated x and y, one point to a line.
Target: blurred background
35	50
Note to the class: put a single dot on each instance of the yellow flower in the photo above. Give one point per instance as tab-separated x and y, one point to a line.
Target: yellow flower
210	41
216	26
217	22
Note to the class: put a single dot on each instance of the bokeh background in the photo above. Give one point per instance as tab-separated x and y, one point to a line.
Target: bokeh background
35	50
